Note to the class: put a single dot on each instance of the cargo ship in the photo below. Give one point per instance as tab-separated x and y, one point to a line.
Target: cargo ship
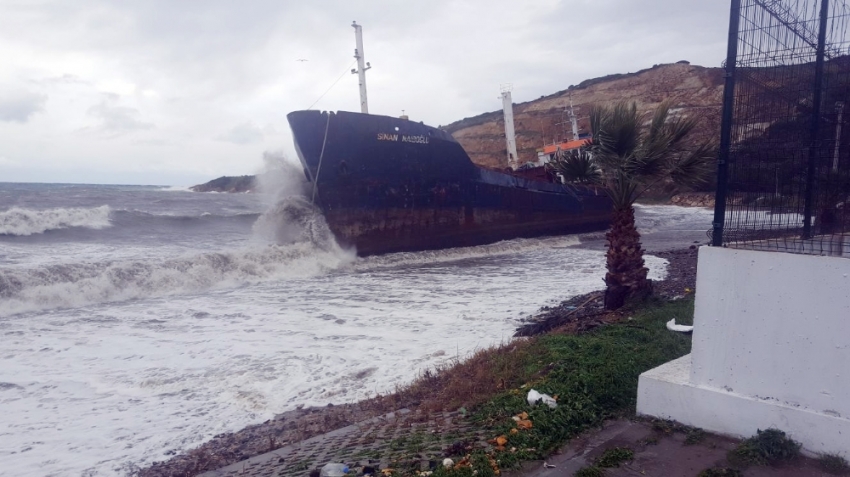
388	184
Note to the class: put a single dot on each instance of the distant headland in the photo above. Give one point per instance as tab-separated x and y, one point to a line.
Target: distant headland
228	184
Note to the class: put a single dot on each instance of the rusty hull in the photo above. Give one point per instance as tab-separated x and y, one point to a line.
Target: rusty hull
391	185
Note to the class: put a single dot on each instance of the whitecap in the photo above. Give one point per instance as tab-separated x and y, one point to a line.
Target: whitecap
20	221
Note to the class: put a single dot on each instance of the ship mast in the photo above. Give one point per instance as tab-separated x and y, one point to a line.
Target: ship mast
510	135
362	66
573	120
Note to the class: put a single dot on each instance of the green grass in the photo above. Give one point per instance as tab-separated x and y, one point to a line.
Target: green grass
480	465
720	472
833	464
591	471
593	375
768	447
614	457
694	436
610	458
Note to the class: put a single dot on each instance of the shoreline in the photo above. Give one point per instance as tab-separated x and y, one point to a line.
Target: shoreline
574	315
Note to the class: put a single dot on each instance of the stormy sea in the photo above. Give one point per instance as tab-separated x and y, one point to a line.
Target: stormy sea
140	320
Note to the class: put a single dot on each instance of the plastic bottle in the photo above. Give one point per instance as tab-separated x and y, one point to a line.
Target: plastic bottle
334	470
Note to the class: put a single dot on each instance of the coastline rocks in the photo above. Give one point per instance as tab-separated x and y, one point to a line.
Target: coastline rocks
585	312
228	184
693	199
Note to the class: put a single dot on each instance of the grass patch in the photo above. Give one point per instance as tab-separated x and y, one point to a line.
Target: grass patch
721	472
477	464
463	384
833	464
593	375
694	436
614	457
591	471
768	447
474	380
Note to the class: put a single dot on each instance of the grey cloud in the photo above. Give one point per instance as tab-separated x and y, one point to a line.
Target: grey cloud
18	106
117	119
65	79
246	133
196	66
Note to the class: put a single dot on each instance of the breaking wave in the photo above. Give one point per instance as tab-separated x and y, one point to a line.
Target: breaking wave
18	221
304	247
651	219
507	247
294	219
80	284
139	218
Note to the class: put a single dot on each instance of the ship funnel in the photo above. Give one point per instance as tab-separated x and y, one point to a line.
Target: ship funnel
510	134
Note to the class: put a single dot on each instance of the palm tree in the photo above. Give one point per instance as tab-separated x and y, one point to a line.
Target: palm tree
628	159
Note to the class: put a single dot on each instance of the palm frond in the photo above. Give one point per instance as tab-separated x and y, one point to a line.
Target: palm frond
622	191
679	128
633	157
694	168
577	166
647	165
659	119
621	131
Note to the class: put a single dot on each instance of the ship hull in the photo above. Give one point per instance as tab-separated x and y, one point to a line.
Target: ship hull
391	185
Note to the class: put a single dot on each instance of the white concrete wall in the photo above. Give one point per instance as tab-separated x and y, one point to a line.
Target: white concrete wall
774	327
666	392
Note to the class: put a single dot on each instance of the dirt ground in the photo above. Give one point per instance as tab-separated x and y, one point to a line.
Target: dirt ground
656	454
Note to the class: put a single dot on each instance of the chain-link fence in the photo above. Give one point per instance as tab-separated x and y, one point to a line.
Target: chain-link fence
784	172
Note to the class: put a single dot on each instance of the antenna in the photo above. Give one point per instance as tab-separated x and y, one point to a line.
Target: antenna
362	66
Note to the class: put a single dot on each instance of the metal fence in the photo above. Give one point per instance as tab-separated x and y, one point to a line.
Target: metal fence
784	164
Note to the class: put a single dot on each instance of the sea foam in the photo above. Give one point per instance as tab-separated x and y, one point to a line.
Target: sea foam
80	284
20	221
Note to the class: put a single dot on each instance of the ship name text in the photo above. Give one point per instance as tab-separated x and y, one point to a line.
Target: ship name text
402	138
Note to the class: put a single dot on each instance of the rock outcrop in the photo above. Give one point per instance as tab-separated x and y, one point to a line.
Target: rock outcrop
694	199
228	184
695	91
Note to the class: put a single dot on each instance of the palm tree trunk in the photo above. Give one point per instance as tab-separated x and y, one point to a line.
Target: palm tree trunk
626	277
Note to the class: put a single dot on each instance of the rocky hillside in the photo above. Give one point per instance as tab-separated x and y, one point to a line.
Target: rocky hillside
695	91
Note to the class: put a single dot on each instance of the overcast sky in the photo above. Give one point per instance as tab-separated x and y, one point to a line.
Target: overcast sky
180	92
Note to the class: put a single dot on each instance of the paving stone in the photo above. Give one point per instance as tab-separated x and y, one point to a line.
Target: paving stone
403	437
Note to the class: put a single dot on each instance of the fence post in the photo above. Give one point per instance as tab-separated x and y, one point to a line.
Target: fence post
815	126
726	126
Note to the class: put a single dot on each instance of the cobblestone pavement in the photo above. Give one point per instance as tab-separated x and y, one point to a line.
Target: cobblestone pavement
403	439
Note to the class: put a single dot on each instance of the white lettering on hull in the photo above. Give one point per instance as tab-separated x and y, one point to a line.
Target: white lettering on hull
415	139
410	139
